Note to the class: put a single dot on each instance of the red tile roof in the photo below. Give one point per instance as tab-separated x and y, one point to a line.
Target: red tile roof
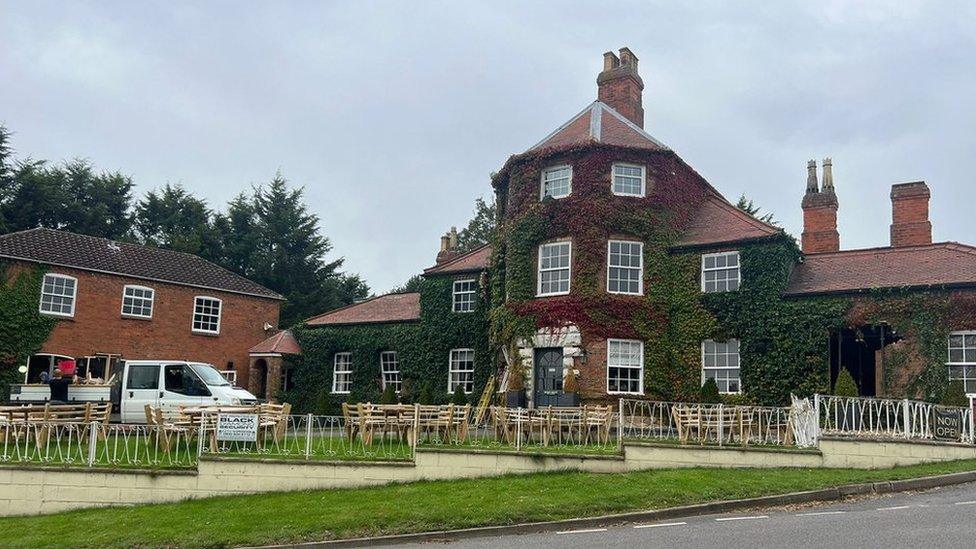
717	222
850	271
384	308
90	253
475	260
600	123
282	343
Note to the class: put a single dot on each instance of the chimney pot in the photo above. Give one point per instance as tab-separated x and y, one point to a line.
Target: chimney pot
621	87
820	233
828	175
812	185
910	224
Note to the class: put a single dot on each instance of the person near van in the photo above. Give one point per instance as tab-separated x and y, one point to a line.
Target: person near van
59	386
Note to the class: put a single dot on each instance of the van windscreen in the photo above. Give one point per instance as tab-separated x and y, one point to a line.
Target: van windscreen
210	375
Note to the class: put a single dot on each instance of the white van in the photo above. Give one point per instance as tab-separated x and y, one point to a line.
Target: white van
172	383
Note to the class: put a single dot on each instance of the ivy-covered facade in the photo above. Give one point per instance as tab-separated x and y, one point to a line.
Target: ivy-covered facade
618	265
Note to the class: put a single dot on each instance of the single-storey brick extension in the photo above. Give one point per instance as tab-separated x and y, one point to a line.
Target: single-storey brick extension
111	300
616	263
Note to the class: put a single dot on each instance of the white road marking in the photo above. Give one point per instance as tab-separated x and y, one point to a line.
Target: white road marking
660	525
965	503
894	508
821	513
741	518
590	531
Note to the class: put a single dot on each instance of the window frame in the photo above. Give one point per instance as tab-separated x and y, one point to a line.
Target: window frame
640	382
193	317
643	179
964	365
542	181
347	373
473	292
538	272
640	268
739	367
152	301
451	370
74	295
738	270
383	372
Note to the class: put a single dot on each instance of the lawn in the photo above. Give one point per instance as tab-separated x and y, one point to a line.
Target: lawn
421	506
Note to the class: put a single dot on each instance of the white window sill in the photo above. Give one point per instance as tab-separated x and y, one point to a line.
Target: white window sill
552	295
630	195
204	333
57	315
625	293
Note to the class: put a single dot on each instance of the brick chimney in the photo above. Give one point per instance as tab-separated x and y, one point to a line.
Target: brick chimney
620	86
910	225
820	211
449	246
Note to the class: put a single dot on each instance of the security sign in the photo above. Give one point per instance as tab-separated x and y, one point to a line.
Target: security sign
237	427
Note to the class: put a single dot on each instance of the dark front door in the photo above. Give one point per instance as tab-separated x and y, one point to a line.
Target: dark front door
548	376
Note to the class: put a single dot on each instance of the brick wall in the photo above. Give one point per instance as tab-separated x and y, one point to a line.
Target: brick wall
99	327
820	229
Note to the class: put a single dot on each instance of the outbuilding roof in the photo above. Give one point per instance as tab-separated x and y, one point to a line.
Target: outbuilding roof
473	261
945	264
385	308
91	253
282	343
717	222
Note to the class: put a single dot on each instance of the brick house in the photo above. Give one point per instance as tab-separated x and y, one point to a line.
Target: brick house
616	261
115	300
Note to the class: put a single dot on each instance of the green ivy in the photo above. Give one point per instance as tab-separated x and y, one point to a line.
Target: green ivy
23	329
422	348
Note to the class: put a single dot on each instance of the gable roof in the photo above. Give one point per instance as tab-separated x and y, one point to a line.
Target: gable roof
601	123
473	261
384	308
282	343
91	253
717	221
852	271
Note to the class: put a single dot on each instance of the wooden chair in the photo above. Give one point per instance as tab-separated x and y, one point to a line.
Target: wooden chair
598	419
459	422
273	419
436	420
688	420
565	425
351	420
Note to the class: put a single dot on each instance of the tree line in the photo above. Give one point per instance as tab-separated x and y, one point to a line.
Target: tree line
266	234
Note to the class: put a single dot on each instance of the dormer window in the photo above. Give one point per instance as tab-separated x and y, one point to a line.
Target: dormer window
720	272
557	182
628	180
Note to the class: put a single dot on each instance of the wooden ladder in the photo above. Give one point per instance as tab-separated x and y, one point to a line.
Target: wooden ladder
481	413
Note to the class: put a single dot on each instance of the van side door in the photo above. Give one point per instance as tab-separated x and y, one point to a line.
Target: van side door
182	387
141	387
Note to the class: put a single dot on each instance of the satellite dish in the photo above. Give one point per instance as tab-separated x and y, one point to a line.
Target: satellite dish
22	369
267	326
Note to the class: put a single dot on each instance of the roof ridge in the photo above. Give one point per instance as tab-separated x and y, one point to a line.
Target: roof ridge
966	248
745	216
563	126
458	258
633	126
356	304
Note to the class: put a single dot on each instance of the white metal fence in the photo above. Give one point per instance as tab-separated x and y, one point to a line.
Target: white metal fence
889	418
706	423
93	444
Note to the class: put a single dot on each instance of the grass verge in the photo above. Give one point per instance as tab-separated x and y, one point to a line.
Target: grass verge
421	506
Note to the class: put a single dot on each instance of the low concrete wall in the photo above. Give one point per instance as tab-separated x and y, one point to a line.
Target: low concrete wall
886	453
33	490
642	456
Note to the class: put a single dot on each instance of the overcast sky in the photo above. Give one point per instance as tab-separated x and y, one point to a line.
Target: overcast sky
393	115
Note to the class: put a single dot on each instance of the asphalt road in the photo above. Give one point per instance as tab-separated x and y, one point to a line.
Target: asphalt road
944	517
